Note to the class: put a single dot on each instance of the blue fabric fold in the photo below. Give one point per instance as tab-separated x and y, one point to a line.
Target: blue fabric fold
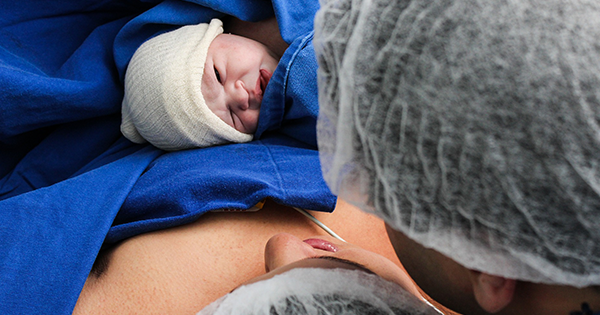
56	63
51	236
290	105
69	181
234	177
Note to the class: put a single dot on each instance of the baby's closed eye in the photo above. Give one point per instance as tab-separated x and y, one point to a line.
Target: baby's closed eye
217	75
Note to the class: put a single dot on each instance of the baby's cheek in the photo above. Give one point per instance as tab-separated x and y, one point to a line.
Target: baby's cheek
251	120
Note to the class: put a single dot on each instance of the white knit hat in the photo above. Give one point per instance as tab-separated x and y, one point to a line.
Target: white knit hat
163	101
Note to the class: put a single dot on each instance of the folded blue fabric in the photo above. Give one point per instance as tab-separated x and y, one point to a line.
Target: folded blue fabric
231	177
51	236
69	181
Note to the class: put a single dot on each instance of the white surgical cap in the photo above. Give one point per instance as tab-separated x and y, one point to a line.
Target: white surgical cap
471	126
307	291
163	101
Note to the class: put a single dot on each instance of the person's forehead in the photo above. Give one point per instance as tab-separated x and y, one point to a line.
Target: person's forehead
224	42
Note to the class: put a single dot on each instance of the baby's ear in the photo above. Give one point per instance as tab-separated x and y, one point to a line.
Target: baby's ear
493	293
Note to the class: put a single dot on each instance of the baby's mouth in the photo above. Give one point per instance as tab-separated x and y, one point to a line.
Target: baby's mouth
264	78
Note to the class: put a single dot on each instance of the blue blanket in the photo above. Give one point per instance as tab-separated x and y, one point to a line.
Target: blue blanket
69	182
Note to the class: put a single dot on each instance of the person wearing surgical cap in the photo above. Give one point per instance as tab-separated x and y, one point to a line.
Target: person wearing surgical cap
472	127
195	87
183	269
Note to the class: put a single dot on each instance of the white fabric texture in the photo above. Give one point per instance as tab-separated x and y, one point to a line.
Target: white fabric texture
308	291
471	126
163	101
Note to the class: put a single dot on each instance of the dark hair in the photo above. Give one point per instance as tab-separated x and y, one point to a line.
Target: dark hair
102	261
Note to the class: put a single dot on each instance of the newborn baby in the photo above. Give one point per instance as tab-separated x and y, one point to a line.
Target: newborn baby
195	87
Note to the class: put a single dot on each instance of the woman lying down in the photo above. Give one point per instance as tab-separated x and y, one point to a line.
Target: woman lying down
260	257
274	261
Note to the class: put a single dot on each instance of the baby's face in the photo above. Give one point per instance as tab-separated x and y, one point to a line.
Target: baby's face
236	73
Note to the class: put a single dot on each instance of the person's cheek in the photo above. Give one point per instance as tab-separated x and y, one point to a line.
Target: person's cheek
283	249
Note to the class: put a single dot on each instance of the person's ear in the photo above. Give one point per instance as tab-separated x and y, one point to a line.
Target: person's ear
493	293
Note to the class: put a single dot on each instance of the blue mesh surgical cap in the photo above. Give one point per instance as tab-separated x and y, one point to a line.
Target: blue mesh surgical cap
471	126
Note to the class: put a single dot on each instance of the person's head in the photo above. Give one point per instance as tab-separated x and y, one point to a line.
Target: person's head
322	275
236	73
195	87
473	128
182	269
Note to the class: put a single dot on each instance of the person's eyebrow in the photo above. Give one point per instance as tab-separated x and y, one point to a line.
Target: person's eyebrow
346	261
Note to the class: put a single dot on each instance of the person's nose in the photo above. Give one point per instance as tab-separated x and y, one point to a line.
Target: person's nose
283	249
240	97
